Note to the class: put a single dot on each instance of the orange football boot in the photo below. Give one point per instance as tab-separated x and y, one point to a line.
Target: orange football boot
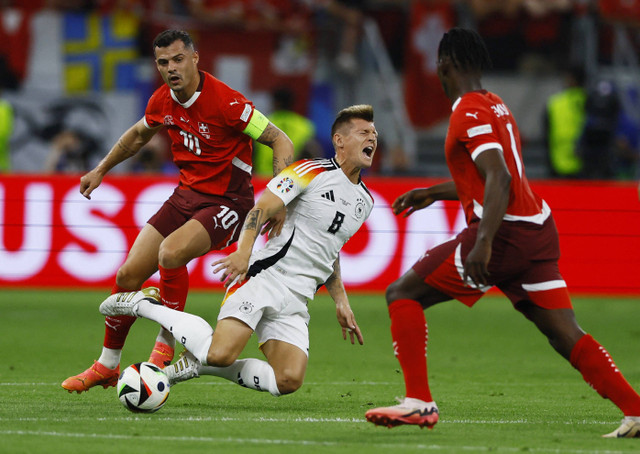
162	355
93	376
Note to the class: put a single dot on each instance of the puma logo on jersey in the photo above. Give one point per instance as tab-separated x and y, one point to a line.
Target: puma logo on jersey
474	115
235	101
329	196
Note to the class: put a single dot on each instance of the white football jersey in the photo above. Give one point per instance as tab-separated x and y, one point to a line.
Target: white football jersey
324	210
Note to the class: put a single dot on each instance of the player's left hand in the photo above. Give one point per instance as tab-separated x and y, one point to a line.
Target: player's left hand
348	323
234	265
274	224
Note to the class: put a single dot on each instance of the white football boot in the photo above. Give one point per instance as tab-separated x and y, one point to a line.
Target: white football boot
126	303
630	428
408	411
184	369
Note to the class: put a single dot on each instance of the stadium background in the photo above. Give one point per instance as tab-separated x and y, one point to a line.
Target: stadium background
87	65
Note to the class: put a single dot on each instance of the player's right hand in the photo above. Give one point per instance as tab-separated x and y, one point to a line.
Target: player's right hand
89	182
414	200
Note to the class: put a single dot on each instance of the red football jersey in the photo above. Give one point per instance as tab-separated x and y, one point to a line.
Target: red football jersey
481	121
207	143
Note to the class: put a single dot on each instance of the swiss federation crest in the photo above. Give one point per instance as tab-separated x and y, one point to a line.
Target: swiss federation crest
168	120
203	128
285	185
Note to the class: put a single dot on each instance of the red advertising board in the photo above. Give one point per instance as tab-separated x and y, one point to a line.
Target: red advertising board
50	236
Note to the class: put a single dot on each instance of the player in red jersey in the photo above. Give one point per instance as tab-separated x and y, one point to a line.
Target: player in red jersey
511	242
211	127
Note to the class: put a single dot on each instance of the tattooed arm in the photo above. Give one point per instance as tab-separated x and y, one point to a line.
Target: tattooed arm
237	263
281	145
282	157
128	145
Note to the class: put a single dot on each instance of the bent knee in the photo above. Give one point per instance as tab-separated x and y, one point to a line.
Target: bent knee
394	292
127	278
170	256
288	383
220	358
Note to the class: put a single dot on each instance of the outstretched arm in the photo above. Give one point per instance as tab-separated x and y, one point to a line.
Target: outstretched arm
343	310
128	145
417	199
236	264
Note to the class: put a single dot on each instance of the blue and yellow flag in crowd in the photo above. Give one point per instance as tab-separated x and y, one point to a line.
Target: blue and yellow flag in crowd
99	51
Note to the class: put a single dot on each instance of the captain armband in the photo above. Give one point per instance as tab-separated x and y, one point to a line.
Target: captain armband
256	125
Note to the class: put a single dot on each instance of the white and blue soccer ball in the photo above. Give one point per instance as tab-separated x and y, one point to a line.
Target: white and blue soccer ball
143	388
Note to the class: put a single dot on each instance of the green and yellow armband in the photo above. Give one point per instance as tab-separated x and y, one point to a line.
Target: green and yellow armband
256	125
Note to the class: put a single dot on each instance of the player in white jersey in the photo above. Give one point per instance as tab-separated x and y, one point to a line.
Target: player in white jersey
325	208
268	290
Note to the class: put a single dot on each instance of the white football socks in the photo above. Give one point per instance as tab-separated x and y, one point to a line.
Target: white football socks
166	337
193	332
251	373
110	358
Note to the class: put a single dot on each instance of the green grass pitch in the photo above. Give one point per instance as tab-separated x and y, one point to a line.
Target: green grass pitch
499	385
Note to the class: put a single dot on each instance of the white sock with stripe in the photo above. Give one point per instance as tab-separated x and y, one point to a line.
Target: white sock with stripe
193	332
250	373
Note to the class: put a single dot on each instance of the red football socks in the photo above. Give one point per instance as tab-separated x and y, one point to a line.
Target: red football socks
174	287
601	373
117	328
409	333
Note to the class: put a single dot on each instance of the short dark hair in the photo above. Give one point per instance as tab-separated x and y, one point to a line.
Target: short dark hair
168	37
359	111
466	48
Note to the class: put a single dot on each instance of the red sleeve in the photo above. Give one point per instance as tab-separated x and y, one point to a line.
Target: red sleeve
153	113
474	127
235	108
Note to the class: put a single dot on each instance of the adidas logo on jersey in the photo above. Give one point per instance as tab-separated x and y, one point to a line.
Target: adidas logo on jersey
329	196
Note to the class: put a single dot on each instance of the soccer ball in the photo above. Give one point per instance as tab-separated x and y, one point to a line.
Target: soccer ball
143	388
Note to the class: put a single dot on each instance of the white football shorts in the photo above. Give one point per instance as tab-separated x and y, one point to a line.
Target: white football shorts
271	309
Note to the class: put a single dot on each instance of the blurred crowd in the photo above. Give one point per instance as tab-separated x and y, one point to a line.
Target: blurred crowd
588	133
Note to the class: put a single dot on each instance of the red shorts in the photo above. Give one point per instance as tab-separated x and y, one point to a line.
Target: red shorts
523	265
222	217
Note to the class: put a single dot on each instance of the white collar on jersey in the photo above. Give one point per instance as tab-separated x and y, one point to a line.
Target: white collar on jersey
453	107
189	103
